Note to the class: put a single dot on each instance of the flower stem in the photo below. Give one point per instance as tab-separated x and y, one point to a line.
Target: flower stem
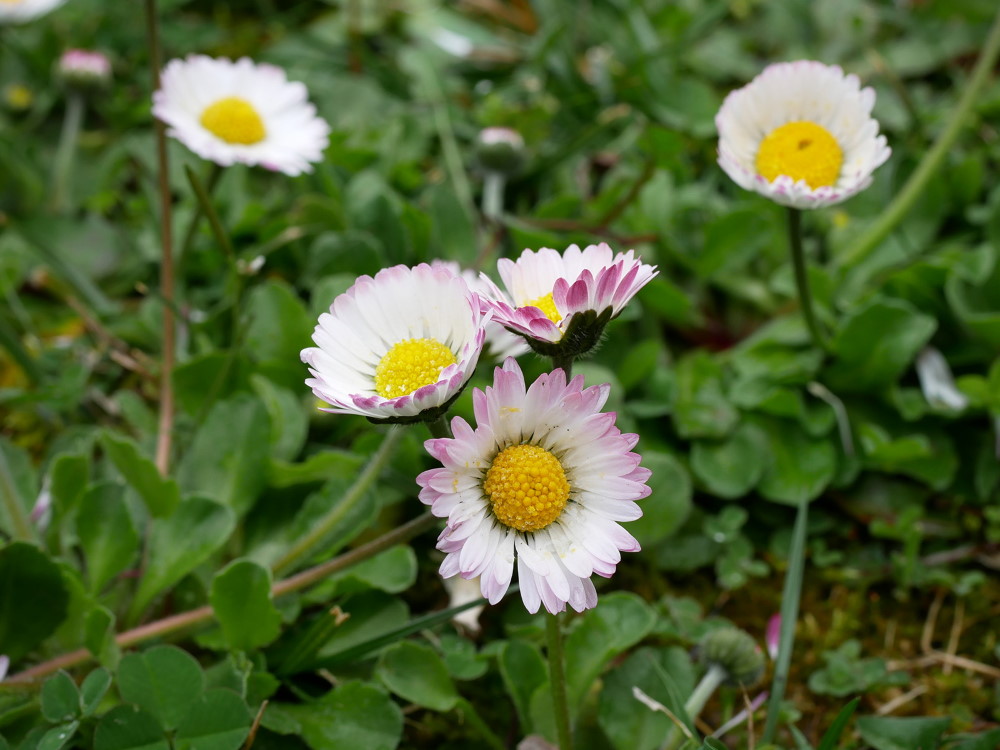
565	362
62	173
164	435
932	161
338	512
440	428
201	615
210	182
789	616
493	187
557	680
802	279
695	704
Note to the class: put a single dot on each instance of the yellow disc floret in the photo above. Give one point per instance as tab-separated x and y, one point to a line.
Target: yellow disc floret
547	305
234	120
803	151
527	487
411	364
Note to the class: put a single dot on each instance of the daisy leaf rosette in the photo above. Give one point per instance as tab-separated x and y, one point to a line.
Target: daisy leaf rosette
399	347
241	112
543	482
560	303
22	11
801	133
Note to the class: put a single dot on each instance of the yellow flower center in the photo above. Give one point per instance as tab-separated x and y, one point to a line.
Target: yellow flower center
527	487
411	364
547	305
16	95
803	151
234	120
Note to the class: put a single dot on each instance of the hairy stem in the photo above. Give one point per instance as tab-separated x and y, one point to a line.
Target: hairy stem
557	680
802	279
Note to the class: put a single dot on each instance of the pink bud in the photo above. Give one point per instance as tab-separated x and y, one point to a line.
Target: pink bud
773	635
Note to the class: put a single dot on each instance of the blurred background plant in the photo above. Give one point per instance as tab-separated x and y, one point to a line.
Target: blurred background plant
741	419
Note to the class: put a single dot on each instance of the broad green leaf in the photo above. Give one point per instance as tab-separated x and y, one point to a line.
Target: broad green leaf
733	467
57	737
241	599
876	344
33	598
524	671
986	741
159	493
372	615
392	571
164	680
800	467
68	474
701	408
200	380
228	459
99	636
129	728
621	621
354	715
902	733
288	417
107	535
417	674
60	698
218	720
319	467
668	505
93	690
666	676
461	657
278	330
180	544
668	301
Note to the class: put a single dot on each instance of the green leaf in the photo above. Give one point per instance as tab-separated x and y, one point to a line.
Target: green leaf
908	733
986	741
392	571
68	474
180	544
164	680
701	409
99	636
417	674
800	467
228	459
733	467
218	720
107	534
93	690
876	344
621	621
832	736
57	737
288	416
354	715
668	301
129	728
18	490
523	671
33	598
665	675
668	505
241	599
160	494
200	380
60	698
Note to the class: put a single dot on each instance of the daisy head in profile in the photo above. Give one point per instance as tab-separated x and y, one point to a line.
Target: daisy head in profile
22	11
240	112
397	347
543	482
560	302
801	133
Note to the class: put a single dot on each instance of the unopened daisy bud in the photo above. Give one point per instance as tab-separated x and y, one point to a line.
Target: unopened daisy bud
501	150
561	302
84	69
773	636
736	652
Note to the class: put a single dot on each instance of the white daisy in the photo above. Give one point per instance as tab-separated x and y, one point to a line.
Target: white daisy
22	11
240	112
560	303
399	347
544	480
801	133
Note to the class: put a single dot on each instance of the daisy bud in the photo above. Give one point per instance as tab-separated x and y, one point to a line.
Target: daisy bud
501	150
83	69
773	636
736	652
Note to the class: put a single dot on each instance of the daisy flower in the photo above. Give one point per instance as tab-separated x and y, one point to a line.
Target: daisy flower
560	303
500	343
543	480
398	347
801	133
240	112
22	11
